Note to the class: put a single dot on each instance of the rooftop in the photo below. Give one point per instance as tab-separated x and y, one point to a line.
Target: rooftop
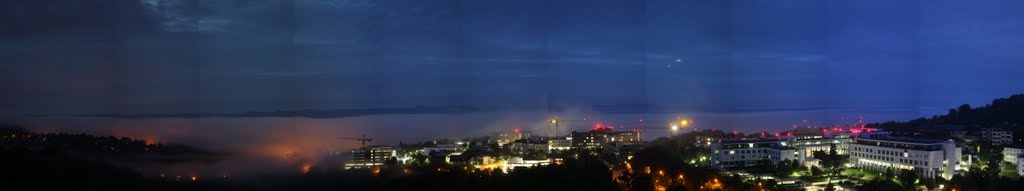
907	140
751	141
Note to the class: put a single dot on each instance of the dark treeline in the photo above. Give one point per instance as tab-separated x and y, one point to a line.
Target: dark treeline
108	147
1002	112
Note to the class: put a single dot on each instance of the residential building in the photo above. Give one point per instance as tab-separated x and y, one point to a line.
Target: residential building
929	158
997	136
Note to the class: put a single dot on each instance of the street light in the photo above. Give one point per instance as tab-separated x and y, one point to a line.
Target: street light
683	123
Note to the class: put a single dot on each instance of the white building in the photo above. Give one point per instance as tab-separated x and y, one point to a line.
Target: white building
929	158
1020	164
519	162
744	153
1010	153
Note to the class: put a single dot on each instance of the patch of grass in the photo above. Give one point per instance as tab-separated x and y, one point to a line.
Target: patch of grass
863	174
1010	171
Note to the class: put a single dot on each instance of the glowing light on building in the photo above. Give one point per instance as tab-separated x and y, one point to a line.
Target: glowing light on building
305	168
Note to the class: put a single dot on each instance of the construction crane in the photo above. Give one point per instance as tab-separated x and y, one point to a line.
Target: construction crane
363	140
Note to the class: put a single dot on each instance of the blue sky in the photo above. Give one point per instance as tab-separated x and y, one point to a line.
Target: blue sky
160	56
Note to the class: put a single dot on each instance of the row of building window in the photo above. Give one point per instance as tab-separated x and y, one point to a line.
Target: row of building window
890	159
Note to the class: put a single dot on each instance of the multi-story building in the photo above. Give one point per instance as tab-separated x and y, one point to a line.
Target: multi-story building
997	136
807	147
1010	153
560	144
370	156
597	138
743	153
505	138
953	131
528	145
929	158
442	148
1020	164
706	137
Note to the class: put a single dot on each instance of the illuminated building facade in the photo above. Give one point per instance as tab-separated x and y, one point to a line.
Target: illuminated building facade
560	144
1010	153
598	138
370	156
443	148
505	138
744	153
929	158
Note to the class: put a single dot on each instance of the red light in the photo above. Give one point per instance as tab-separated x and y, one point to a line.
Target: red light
516	130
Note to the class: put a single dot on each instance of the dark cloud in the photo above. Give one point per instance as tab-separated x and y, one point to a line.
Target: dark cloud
68	17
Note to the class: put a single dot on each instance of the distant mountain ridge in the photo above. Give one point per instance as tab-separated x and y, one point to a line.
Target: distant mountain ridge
310	113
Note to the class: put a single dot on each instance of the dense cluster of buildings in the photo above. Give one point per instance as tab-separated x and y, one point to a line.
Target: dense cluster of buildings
929	152
868	149
941	151
511	149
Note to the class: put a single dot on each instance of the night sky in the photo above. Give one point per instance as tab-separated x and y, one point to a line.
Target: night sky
223	56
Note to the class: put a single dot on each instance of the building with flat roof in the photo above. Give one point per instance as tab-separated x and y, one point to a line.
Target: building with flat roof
560	143
736	154
929	158
530	145
997	136
370	156
505	138
1010	153
1020	164
598	138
